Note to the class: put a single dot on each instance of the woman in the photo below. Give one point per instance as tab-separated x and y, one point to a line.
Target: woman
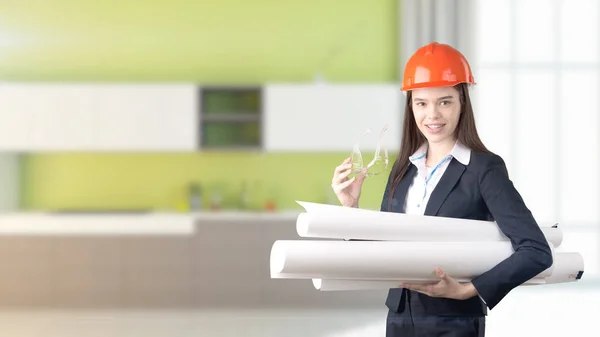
443	169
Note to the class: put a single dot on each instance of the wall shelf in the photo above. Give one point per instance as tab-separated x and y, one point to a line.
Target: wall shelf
230	117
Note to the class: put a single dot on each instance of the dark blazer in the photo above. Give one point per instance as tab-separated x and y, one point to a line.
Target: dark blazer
481	190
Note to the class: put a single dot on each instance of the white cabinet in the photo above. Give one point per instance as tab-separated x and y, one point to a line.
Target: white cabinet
98	117
330	117
38	117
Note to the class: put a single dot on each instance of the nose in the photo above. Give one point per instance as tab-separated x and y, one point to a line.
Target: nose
433	112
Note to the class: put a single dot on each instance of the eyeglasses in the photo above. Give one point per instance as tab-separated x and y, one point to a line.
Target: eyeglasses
380	160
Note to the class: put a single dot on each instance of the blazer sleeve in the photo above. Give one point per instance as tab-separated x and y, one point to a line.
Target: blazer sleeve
532	254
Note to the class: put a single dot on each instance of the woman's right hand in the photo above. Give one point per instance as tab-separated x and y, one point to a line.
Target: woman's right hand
347	190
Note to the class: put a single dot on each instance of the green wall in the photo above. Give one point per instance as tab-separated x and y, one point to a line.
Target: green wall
227	41
160	180
208	41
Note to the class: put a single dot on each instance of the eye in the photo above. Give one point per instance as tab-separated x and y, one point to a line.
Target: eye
420	104
445	103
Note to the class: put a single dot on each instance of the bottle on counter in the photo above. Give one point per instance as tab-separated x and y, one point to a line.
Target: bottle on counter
195	197
270	205
244	196
216	200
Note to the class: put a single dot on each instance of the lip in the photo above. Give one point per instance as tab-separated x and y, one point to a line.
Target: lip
438	127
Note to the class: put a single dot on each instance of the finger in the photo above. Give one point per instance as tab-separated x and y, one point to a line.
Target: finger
441	274
422	292
362	176
346	183
342	168
342	176
342	186
422	288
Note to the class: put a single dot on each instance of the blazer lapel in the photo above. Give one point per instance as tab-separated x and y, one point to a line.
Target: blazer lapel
444	186
402	189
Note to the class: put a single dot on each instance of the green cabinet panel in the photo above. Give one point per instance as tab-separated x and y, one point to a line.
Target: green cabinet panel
234	135
231	118
231	101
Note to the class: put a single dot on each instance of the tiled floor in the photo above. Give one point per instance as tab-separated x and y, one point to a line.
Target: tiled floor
154	273
297	323
551	312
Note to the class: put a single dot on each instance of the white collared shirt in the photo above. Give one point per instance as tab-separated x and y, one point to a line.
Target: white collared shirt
427	178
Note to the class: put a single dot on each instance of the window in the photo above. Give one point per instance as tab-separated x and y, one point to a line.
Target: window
537	64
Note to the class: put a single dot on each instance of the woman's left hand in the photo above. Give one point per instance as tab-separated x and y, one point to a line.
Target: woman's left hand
447	287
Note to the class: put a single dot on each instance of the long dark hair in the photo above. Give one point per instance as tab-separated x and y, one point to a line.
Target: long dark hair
412	138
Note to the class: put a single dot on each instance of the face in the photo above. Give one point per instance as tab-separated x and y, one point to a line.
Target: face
436	111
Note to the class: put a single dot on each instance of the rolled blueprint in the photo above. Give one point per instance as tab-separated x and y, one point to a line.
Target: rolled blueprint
568	267
385	260
349	285
337	222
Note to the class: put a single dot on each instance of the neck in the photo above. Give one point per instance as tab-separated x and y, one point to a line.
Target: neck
437	151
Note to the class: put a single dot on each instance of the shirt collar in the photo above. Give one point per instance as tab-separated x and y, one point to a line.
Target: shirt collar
459	151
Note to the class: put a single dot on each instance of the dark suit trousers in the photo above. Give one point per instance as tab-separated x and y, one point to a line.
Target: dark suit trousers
413	321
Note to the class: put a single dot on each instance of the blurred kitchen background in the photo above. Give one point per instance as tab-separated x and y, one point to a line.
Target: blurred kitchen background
152	152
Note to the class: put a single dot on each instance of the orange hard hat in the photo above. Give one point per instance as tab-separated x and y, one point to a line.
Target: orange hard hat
436	65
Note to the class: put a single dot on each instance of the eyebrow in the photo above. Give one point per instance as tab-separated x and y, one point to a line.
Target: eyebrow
440	98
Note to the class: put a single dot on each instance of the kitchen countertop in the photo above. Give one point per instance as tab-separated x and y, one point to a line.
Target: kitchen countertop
125	223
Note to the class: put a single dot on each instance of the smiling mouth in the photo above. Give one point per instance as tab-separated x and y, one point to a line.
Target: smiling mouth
435	126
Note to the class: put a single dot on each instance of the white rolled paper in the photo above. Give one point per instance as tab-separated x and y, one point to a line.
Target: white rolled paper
337	222
353	285
567	268
385	260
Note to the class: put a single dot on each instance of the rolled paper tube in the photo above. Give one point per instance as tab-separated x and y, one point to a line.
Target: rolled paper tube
353	285
385	260
568	267
335	222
